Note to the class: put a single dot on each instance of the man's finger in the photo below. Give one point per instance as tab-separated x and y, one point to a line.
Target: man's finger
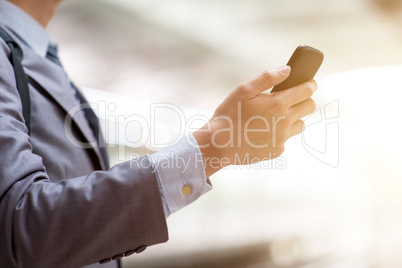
303	108
296	128
264	81
298	93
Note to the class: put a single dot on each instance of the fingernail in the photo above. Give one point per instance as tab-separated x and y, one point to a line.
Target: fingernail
284	70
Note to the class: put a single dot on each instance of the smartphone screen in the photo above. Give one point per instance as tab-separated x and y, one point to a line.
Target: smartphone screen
304	64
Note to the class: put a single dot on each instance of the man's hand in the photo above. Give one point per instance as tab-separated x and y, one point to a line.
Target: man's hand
250	126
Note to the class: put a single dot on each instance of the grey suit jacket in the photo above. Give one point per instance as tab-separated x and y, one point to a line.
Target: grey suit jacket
59	207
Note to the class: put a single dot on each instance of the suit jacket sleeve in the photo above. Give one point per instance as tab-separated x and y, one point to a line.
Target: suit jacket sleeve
73	222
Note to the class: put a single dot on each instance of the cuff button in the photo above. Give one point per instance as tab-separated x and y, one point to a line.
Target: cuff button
128	253
186	190
105	260
140	249
118	257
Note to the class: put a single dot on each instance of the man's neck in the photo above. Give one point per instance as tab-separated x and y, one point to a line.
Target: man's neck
41	10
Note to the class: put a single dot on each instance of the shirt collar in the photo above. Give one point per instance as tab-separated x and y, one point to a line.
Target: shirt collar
25	27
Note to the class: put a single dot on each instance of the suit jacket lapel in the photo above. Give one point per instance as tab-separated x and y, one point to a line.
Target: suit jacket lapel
53	79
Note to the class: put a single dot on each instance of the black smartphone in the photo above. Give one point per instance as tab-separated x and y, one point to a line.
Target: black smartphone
304	64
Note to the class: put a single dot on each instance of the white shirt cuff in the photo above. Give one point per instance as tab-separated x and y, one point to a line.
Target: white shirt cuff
180	173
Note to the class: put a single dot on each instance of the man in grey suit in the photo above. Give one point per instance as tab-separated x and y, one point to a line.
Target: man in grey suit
61	205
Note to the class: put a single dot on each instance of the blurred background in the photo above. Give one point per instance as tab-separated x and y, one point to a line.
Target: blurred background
334	199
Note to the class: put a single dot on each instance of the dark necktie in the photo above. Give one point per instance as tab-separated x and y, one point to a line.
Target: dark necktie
93	121
52	54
